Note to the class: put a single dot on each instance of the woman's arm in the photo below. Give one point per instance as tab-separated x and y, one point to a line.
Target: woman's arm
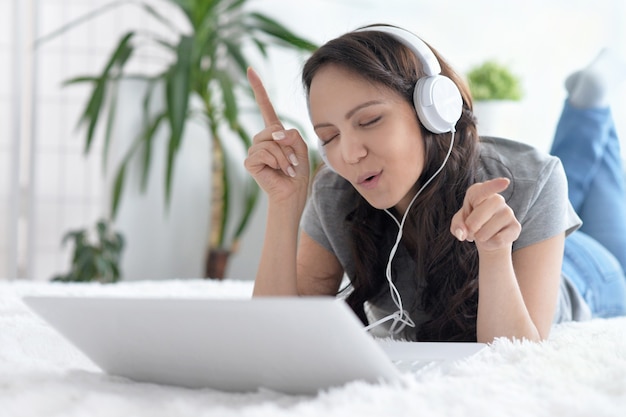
278	161
319	271
517	292
316	271
276	274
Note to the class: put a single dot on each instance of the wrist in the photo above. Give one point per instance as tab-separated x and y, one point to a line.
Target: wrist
494	253
286	211
495	259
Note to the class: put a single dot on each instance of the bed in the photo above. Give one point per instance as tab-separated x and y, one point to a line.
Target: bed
579	371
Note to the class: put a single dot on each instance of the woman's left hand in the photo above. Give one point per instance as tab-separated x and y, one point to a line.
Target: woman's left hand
486	218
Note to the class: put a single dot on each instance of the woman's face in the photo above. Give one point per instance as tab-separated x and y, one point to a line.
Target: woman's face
371	134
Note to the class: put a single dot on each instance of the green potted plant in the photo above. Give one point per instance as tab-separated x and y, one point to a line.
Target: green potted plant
94	261
209	67
494	81
497	93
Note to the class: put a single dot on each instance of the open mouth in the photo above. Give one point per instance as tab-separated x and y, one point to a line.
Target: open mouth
369	179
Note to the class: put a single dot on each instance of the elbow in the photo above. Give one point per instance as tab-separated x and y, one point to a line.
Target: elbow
525	333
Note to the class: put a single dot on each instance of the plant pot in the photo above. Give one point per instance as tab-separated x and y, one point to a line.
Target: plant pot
217	263
163	242
501	118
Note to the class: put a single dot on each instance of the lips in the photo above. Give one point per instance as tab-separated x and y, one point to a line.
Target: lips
369	180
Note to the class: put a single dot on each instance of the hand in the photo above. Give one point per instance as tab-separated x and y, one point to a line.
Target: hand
278	158
485	218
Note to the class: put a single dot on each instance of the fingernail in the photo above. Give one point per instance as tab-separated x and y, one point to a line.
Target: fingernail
280	135
293	159
460	235
291	172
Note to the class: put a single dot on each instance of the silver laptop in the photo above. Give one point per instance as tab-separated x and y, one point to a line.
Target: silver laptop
291	345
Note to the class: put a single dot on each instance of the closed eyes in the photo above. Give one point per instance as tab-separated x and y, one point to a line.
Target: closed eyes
368	123
327	141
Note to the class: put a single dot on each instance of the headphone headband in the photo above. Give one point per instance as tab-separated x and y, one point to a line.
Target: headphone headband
414	43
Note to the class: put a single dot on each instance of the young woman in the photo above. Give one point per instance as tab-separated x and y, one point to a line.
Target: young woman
444	236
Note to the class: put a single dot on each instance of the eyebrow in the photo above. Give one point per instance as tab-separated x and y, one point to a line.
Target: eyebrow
351	112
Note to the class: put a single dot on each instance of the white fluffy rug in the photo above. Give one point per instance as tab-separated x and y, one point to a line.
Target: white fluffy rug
579	371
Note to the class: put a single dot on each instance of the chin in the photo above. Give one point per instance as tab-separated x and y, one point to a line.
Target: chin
379	204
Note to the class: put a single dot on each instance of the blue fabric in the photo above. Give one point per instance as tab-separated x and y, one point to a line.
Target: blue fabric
597	275
595	255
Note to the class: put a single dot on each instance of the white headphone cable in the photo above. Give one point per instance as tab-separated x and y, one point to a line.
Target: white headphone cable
401	317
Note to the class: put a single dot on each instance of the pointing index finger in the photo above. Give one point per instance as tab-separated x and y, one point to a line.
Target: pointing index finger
262	99
488	188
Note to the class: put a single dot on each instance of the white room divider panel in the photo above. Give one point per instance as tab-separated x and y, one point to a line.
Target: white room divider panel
9	135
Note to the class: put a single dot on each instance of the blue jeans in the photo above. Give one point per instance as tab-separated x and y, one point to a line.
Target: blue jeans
595	255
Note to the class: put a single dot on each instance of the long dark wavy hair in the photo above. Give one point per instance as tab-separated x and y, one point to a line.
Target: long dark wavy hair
449	268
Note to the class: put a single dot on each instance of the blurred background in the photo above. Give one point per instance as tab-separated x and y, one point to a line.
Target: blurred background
48	186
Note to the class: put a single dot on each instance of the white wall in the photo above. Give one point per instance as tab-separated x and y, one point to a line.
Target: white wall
543	41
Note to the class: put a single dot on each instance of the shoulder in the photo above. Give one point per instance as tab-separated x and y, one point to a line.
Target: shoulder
504	157
326	213
538	190
330	190
332	198
326	178
530	170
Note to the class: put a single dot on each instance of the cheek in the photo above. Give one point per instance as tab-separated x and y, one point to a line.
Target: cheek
330	155
410	151
410	168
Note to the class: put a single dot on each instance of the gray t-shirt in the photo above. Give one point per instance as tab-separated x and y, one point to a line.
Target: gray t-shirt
537	194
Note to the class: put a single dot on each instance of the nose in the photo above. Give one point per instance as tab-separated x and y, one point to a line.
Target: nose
353	150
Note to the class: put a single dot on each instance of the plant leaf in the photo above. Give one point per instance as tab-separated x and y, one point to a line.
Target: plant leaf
78	80
109	125
177	98
186	6
251	192
147	140
118	188
225	174
118	185
261	46
280	32
160	17
234	51
252	195
246	140
493	81
84	18
227	87
93	109
235	5
101	228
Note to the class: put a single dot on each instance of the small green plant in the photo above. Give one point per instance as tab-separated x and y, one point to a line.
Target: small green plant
494	81
99	261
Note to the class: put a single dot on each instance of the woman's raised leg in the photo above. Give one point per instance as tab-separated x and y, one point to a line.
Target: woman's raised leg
587	144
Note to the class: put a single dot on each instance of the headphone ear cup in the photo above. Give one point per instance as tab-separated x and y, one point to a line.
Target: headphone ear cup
438	103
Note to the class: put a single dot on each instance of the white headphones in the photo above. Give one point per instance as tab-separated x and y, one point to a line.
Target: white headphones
437	100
